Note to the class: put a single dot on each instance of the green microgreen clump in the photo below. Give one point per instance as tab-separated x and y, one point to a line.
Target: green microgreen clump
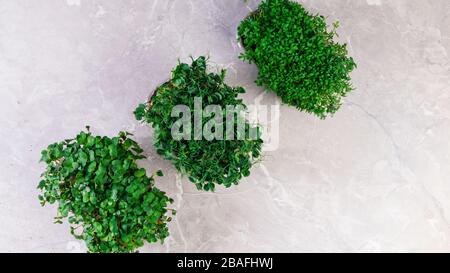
296	56
108	199
206	162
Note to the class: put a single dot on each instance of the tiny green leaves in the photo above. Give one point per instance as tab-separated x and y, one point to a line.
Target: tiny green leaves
140	111
202	152
139	173
109	201
297	57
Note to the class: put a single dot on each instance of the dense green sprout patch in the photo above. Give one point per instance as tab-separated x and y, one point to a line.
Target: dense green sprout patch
296	56
107	198
206	162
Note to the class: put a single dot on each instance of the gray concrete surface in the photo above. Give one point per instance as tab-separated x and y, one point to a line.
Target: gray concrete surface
375	177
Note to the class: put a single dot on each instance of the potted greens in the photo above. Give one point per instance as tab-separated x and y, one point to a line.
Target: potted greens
109	201
206	152
297	56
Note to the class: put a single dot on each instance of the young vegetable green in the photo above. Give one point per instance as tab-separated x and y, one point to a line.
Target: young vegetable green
109	201
297	57
205	162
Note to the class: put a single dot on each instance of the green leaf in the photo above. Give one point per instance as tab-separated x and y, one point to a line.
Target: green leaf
98	227
90	141
112	150
81	138
45	156
140	173
139	113
149	198
85	197
83	158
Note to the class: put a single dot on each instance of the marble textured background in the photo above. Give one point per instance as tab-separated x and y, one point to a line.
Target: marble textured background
375	177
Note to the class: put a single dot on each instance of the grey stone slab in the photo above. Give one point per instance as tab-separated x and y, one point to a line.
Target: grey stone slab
375	177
